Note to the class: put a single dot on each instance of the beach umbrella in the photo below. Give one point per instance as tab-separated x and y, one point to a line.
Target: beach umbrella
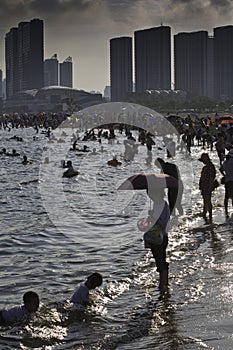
149	182
227	121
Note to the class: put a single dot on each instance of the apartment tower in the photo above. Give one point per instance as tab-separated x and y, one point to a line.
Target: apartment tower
153	59
66	72
190	56
51	71
223	62
11	62
120	68
24	55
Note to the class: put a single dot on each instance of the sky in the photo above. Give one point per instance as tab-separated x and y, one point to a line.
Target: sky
82	29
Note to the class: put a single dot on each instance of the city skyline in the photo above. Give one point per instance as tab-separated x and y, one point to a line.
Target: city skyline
82	29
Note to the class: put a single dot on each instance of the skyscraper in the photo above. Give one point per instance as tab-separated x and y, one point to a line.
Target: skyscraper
11	62
120	68
210	67
153	59
0	83
31	54
24	57
223	66
66	72
190	55
51	71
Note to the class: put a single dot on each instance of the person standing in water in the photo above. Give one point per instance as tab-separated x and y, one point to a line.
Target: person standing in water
156	237
227	170
207	177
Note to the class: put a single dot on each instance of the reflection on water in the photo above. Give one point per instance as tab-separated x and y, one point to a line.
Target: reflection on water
46	248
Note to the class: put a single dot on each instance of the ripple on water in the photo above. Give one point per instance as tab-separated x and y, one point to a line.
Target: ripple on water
52	246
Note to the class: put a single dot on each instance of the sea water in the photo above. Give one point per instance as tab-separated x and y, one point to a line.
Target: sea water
55	231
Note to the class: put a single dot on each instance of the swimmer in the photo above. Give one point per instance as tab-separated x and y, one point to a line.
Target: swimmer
20	313
26	161
81	295
70	172
13	154
94	151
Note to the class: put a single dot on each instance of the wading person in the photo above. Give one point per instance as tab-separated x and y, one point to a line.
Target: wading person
156	237
227	170
20	313
174	194
206	181
81	295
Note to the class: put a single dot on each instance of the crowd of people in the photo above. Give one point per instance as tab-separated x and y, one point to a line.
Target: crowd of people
203	132
35	120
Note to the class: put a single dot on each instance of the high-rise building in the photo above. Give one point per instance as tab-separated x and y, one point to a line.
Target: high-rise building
66	72
190	56
31	54
210	67
120	68
24	57
51	71
4	89
153	59
223	58
11	62
0	84
107	92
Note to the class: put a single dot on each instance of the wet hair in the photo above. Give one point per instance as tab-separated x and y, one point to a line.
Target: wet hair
97	277
28	297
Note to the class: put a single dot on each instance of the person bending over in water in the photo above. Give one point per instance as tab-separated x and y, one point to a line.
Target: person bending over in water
81	295
174	194
156	238
20	313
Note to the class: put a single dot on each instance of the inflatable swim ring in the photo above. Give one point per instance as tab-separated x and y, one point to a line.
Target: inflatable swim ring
70	173
114	162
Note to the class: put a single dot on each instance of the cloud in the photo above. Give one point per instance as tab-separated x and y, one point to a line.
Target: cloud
118	15
52	10
82	28
60	6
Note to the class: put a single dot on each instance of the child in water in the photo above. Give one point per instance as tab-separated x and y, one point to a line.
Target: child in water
20	313
81	295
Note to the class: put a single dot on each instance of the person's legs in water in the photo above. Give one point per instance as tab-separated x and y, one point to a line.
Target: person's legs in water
159	254
207	206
